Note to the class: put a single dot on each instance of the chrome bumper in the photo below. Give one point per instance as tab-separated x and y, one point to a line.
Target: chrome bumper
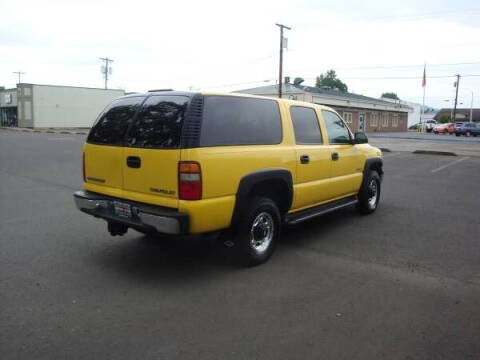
143	216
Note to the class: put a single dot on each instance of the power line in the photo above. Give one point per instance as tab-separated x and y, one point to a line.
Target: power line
400	77
351	78
406	66
236	84
424	16
412	17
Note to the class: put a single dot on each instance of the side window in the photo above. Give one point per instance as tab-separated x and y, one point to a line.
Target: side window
113	122
159	123
305	125
336	129
231	120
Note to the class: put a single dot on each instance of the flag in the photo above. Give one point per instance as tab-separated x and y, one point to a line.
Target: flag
424	80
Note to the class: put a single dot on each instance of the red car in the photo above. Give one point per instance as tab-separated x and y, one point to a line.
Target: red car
447	128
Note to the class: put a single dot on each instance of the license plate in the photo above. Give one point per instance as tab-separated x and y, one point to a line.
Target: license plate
122	209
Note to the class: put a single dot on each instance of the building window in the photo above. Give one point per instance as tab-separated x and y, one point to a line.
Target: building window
374	119
395	120
385	119
347	117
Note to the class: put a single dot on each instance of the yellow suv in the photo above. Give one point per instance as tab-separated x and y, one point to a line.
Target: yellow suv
191	163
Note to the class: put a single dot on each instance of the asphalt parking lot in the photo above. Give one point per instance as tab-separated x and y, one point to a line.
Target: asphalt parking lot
403	283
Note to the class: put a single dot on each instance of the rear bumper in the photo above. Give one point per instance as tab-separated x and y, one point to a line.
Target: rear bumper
143	216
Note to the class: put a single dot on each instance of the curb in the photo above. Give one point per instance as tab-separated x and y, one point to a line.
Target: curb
433	152
70	132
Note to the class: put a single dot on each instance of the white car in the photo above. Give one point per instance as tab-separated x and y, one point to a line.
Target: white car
429	125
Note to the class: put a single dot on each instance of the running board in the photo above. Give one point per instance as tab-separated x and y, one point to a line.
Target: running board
303	215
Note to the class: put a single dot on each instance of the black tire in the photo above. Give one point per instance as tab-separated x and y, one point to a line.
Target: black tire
266	211
365	204
457	134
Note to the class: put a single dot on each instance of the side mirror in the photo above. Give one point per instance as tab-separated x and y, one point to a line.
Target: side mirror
360	138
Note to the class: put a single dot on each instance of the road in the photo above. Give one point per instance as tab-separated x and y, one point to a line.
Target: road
403	283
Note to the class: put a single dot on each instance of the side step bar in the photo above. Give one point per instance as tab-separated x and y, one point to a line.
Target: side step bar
303	215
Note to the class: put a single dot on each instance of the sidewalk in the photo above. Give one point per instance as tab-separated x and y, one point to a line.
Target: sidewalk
463	148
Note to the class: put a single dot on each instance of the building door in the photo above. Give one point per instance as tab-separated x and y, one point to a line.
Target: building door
361	122
8	116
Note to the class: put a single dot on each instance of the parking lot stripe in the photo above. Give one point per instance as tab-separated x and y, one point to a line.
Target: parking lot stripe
449	164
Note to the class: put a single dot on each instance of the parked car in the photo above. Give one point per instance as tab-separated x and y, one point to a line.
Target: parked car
193	163
447	128
429	125
467	129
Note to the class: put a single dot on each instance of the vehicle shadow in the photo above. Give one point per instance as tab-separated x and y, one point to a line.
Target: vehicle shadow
170	260
152	258
319	229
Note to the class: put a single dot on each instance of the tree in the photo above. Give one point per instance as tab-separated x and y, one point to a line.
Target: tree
444	118
390	95
298	81
329	79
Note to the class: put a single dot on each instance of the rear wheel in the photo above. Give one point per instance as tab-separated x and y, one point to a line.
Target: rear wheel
258	232
369	194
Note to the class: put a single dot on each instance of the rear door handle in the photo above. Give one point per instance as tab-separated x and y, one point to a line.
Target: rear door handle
335	156
304	159
134	162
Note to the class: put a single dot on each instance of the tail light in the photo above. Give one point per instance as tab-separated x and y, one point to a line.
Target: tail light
189	180
83	168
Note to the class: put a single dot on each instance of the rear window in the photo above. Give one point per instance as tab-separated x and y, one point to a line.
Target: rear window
113	122
229	120
159	123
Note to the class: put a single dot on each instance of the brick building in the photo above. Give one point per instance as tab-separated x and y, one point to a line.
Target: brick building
361	113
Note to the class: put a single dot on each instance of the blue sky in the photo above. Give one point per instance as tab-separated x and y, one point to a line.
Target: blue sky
375	46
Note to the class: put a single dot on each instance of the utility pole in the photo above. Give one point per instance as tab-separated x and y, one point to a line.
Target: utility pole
19	73
281	58
106	69
456	98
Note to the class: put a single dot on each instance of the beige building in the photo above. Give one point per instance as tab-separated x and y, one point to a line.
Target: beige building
361	113
50	106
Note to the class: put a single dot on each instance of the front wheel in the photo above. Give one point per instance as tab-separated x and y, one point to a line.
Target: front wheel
258	232
369	194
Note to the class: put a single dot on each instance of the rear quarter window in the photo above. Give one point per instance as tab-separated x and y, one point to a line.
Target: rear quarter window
112	124
230	120
159	123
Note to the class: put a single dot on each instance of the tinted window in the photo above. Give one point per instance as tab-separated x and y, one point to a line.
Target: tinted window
305	125
159	123
240	121
337	131
111	126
